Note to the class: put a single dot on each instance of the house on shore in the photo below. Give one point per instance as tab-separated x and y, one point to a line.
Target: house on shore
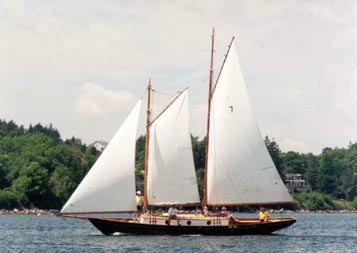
295	183
99	145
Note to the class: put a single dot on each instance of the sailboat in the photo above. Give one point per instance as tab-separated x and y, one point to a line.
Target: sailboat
238	170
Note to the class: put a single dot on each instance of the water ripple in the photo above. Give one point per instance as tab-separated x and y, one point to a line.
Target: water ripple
328	233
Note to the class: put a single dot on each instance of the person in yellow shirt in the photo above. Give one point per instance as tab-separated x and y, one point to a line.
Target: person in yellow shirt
263	215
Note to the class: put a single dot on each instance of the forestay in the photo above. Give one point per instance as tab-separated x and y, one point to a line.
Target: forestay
109	186
171	172
240	169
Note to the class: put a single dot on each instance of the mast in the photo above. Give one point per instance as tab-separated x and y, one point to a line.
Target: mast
204	197
147	138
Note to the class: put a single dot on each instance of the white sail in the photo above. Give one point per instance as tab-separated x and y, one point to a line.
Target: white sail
171	172
240	169
109	186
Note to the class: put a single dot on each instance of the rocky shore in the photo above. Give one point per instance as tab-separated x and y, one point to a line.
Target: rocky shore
35	211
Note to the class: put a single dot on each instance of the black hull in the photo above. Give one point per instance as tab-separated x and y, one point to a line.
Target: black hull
111	226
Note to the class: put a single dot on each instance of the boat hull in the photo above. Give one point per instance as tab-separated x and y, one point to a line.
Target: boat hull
110	226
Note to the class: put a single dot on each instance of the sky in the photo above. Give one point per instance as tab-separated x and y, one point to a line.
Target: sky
82	65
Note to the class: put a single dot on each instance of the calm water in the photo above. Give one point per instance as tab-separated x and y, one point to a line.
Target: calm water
312	233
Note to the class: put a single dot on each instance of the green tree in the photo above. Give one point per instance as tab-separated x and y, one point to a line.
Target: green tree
48	131
10	129
293	162
62	183
348	179
199	152
3	171
314	201
32	183
91	155
30	157
275	153
8	199
140	154
327	177
200	179
312	171
354	203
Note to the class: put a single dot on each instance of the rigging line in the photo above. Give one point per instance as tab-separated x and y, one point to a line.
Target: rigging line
163	93
177	96
196	81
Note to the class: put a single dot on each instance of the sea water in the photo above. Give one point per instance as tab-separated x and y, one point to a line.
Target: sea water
323	232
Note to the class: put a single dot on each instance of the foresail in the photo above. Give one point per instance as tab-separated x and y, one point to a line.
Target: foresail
240	169
109	186
171	172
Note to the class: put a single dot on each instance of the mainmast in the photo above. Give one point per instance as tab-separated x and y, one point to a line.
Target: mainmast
204	197
148	113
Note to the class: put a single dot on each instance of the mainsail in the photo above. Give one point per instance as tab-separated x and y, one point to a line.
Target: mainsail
171	172
240	170
109	186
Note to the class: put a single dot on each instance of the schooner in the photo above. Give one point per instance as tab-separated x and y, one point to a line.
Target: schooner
238	169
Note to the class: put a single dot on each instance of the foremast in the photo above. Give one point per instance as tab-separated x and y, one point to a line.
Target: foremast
147	139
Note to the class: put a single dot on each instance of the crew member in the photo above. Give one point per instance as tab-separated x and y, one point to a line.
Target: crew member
263	215
139	204
173	215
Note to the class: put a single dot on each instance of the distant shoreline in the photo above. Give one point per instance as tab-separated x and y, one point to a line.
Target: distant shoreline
35	211
40	212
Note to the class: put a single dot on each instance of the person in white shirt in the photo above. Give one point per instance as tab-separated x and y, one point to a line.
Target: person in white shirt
173	215
139	204
205	211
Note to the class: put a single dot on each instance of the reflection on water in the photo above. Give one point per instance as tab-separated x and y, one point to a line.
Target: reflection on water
311	233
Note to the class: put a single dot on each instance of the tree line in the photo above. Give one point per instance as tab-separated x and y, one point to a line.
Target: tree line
39	169
333	172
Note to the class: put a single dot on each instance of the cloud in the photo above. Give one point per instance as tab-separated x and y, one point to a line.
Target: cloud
82	68
95	101
290	144
348	108
288	94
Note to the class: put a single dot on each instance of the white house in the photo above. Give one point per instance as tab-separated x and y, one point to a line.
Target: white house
99	145
295	182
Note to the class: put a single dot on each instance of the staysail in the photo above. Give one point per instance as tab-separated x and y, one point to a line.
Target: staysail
240	169
109	186
171	172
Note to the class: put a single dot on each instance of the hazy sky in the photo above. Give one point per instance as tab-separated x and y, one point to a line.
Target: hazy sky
82	65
